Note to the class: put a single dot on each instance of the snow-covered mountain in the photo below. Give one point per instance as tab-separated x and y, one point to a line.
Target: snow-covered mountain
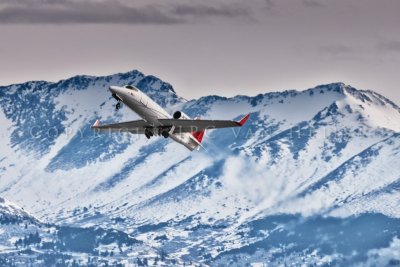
310	170
11	213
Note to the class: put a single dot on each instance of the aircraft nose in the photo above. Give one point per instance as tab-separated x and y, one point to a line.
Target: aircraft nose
118	90
113	89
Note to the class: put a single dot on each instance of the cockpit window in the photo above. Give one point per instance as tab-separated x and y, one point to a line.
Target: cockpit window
130	87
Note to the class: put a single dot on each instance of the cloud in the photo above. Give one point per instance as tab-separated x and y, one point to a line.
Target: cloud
312	3
336	49
272	4
68	11
204	11
251	181
389	46
108	12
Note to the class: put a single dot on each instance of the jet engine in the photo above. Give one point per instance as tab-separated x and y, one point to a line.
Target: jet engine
180	115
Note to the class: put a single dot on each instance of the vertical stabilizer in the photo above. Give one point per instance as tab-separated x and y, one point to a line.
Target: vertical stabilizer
198	135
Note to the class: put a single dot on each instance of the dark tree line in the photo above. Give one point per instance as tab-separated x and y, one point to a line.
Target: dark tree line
30	239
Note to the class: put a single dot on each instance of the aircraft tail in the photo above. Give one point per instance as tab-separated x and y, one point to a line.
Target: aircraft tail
198	135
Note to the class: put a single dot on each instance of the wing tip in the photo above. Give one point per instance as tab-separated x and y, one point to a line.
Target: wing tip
244	119
96	124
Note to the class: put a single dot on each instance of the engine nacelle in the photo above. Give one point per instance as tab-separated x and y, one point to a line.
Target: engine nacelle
180	115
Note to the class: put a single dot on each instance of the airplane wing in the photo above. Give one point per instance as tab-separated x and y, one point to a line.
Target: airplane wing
179	125
184	126
128	126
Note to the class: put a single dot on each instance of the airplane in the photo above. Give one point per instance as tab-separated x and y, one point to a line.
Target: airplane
157	121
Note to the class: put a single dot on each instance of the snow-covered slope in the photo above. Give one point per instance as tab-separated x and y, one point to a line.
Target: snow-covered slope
11	213
329	151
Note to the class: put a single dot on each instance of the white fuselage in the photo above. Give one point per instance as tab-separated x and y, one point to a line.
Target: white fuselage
151	112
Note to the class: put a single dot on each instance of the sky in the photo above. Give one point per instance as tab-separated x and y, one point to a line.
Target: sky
206	47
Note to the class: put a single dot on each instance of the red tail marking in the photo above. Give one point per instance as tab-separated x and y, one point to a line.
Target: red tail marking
198	135
244	119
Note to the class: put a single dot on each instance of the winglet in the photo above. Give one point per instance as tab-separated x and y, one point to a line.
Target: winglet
97	123
244	119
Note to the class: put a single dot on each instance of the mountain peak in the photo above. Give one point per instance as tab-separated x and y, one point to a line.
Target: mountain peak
155	83
133	77
338	87
359	94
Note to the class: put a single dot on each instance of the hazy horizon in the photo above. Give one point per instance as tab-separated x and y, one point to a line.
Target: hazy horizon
217	47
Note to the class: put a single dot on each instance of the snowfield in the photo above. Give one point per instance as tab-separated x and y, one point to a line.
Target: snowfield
304	160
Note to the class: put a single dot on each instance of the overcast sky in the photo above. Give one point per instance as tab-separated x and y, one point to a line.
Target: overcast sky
206	47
